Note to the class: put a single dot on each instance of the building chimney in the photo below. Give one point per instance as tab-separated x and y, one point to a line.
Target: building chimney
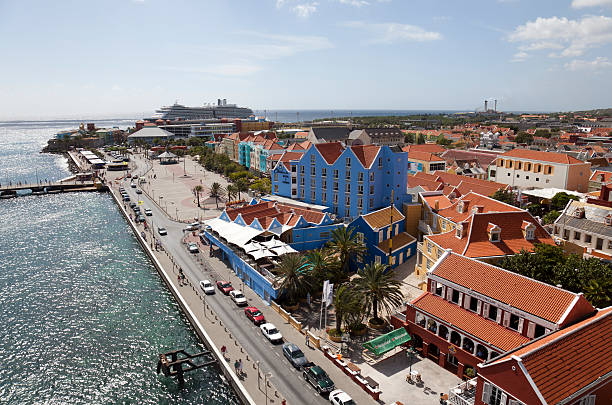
224	101
486	104
495	106
218	101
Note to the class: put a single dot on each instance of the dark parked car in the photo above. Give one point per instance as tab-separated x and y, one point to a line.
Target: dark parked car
225	287
318	378
294	355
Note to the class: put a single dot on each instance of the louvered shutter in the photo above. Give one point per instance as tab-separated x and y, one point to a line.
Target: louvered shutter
506	319
520	325
485	310
531	330
499	315
466	302
486	392
478	306
504	398
449	293
460	297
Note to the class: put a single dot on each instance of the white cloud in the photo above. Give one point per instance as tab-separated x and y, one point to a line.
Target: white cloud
571	37
387	33
305	10
590	3
355	3
218	70
519	57
598	63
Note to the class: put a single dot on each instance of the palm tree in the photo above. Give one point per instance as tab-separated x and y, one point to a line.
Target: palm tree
347	300
241	185
216	191
231	191
318	262
379	288
197	190
345	244
292	276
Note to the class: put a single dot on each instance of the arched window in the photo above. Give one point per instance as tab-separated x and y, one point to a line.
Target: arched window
432	326
420	320
455	338
468	345
482	352
443	332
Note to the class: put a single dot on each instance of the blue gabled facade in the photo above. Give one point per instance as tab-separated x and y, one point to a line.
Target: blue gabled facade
351	181
375	232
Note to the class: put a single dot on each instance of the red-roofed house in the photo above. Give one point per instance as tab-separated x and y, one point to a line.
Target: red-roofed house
529	168
424	162
570	366
474	312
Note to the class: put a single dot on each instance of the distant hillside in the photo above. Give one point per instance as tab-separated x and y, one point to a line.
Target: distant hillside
597	112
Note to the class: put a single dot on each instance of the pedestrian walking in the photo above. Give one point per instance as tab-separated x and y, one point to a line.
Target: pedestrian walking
223	350
236	365
239	366
307	340
178	278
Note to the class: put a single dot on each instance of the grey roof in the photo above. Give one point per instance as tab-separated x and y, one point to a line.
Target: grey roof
594	220
151	132
331	134
381	132
167	155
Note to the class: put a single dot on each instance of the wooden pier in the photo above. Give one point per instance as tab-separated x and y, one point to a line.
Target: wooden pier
171	365
10	191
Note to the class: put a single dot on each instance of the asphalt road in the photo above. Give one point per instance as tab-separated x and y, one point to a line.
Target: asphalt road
285	377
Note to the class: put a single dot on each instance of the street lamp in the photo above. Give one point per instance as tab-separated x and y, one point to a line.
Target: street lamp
410	353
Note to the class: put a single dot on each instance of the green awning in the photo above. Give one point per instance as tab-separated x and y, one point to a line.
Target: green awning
384	343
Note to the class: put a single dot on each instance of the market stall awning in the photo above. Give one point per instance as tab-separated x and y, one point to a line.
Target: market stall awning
391	340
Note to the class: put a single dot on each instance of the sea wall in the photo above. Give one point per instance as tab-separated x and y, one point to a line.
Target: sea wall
195	323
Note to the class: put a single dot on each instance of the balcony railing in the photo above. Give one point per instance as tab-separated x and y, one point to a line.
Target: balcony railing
464	393
424	227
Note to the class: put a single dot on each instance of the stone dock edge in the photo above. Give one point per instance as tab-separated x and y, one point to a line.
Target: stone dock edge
229	374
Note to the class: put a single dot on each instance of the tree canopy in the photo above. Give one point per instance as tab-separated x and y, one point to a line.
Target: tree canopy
550	265
560	200
505	196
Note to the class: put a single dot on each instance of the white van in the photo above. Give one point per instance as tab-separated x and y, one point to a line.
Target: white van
193	226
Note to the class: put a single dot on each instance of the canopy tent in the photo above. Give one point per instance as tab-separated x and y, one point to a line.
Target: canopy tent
250	247
237	234
391	340
282	250
273	243
261	253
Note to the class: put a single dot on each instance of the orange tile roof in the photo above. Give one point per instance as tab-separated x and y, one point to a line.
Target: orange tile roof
428	185
424	156
473	200
597	176
382	217
314	217
249	217
469	322
427	176
233	212
566	361
426	147
537	298
456	179
289	156
465	187
330	151
366	154
397	242
442	200
552	157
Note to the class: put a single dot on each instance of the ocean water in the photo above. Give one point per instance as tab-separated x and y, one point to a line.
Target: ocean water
84	313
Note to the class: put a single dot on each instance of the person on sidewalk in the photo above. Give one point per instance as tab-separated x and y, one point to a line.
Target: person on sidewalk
236	365
223	350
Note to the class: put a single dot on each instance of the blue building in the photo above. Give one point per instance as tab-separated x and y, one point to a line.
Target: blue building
249	236
351	181
376	228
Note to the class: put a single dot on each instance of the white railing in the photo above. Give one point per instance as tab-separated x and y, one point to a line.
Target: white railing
464	393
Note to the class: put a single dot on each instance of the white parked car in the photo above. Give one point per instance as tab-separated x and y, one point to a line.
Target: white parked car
207	287
148	212
270	331
339	397
238	297
193	248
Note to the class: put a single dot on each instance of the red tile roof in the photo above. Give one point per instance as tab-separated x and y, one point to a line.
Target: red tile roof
428	185
597	176
366	154
330	151
427	176
566	361
469	322
426	147
289	156
233	212
314	217
552	157
534	297
442	200
473	200
456	179
424	156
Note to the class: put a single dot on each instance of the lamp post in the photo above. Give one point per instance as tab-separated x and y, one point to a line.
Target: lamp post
410	353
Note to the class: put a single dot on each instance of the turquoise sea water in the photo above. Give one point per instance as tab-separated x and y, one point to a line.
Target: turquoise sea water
83	312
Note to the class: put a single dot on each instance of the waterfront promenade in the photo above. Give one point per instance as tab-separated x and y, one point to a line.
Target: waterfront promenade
241	334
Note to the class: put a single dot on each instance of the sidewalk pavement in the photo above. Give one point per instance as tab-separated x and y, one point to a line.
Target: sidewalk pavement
171	186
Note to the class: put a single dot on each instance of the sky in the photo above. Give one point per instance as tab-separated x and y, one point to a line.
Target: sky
88	59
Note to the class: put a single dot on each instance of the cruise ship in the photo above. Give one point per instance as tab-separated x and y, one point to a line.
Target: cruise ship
219	110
